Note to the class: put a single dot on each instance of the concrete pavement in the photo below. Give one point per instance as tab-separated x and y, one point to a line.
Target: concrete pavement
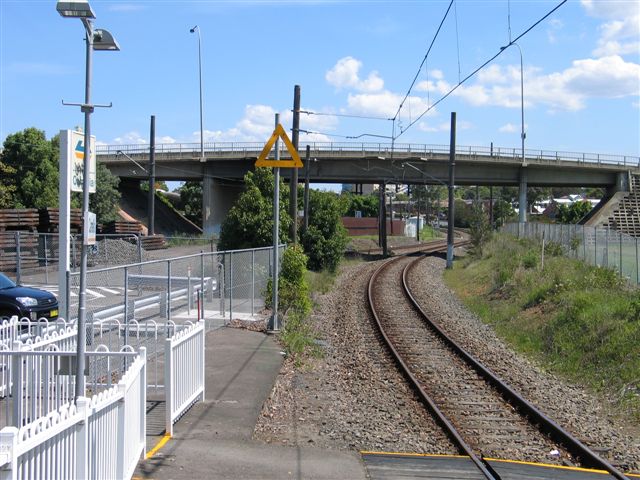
213	439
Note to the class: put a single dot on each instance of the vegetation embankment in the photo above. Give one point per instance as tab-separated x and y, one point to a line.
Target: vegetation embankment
577	320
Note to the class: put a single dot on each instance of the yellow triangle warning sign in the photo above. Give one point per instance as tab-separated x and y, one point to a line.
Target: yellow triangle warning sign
295	161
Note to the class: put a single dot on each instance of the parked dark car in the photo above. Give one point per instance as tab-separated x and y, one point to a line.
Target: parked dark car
26	302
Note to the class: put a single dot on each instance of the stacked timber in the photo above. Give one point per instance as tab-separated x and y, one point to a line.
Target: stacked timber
20	219
50	220
122	228
153	242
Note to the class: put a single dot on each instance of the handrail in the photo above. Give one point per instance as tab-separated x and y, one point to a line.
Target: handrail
188	150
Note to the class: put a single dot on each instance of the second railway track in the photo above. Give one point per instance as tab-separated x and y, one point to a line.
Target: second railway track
481	415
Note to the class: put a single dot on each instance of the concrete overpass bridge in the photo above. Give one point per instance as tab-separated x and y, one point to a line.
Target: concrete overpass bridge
365	163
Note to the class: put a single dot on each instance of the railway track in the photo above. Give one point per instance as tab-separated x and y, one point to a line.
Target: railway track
481	415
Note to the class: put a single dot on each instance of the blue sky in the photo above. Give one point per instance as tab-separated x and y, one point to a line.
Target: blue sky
581	70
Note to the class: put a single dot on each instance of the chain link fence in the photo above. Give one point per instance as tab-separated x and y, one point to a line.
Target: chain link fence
600	247
211	285
32	258
144	303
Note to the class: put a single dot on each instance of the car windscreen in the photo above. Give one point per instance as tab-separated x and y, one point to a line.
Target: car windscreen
5	282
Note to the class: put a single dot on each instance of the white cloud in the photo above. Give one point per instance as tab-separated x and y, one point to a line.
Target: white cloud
344	74
444	126
606	77
508	128
555	25
256	125
620	35
385	104
129	138
610	8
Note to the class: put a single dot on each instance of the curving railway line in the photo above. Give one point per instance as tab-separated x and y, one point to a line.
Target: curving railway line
481	415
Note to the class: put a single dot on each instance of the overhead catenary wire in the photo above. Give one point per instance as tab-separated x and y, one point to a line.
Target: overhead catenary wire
472	74
415	78
345	115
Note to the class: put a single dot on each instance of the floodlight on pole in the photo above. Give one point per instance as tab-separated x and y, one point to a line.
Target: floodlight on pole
75	9
98	39
193	30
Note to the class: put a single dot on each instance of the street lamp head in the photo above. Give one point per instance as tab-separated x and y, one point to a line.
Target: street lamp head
75	9
193	30
103	40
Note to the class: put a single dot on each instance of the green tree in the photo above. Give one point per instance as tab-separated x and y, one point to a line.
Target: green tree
191	198
249	223
479	229
502	212
7	189
33	169
326	238
461	214
104	203
30	177
572	213
367	204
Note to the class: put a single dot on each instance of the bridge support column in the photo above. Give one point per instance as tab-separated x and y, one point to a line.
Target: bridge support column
217	199
522	201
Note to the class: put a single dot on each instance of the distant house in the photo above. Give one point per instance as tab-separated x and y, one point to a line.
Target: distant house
551	209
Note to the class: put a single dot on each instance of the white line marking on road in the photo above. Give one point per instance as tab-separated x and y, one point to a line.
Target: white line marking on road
108	290
94	293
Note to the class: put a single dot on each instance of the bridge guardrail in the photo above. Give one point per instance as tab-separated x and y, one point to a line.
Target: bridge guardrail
192	150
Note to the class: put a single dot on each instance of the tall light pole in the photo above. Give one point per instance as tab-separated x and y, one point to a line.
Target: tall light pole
98	39
193	30
523	135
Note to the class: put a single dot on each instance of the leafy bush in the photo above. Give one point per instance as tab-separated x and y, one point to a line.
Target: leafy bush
326	238
530	259
553	249
479	229
293	289
249	223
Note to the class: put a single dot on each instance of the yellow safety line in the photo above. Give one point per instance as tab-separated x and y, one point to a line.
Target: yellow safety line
441	455
548	465
158	446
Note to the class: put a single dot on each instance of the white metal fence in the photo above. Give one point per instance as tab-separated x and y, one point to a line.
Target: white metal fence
184	372
101	437
601	247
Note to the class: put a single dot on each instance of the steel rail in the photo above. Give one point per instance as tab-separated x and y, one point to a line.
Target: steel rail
546	425
440	418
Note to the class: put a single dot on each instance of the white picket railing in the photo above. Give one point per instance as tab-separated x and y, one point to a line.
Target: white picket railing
99	438
184	372
56	336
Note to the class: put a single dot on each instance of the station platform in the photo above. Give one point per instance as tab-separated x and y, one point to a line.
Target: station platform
214	438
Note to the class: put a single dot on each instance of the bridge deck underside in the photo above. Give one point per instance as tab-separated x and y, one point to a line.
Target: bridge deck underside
403	168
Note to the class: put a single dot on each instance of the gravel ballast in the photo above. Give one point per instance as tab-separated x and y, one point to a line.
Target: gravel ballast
353	398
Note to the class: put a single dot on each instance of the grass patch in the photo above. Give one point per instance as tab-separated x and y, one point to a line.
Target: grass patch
320	282
580	321
428	233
